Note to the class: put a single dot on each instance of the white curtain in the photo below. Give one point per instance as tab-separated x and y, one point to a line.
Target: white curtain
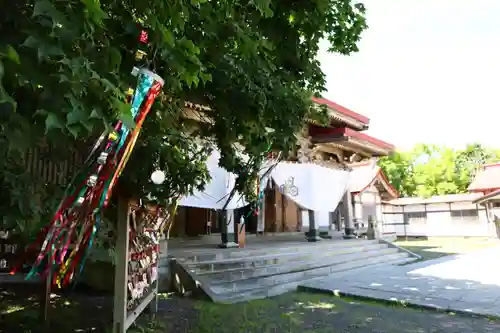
316	187
217	191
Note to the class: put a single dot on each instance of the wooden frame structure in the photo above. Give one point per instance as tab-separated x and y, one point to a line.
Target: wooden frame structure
124	315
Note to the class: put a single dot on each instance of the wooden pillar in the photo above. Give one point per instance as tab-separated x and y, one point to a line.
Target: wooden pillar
348	215
312	234
261	217
332	220
121	267
338	212
358	210
379	219
47	291
227	229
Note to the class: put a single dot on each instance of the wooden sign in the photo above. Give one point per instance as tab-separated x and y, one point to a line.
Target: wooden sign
136	271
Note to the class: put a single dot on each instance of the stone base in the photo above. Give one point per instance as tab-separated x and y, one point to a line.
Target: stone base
228	245
313	236
325	235
349	233
329	234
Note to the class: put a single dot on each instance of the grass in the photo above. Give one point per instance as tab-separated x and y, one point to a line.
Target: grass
316	313
289	313
434	248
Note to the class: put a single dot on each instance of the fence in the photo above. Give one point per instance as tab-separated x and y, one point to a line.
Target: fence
42	165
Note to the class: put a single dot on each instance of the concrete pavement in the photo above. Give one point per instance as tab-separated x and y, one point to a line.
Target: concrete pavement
467	283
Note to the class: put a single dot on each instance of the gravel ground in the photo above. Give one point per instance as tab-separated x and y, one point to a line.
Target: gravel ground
83	311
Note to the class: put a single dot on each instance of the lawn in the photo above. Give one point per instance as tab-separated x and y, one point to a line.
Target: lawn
439	247
292	312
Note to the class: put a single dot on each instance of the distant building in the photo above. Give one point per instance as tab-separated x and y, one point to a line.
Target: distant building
487	183
487	179
369	187
454	215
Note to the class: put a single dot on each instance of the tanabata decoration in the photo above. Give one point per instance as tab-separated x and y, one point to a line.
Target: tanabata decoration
65	242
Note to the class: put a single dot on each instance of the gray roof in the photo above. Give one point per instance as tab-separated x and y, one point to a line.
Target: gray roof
463	197
362	175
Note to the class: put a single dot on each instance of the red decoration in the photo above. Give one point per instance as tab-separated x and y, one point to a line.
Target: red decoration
144	37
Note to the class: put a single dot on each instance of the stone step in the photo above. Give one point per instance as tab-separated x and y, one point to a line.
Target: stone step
322	246
294	266
279	289
237	264
301	246
260	282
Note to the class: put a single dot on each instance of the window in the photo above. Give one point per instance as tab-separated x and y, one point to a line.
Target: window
464	215
416	217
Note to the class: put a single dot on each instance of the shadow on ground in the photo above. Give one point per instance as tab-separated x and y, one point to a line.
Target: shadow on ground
293	312
79	311
428	252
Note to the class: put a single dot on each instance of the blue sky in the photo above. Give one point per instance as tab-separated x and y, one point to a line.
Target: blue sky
427	71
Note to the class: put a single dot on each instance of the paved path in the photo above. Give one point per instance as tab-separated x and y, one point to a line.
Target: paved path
462	283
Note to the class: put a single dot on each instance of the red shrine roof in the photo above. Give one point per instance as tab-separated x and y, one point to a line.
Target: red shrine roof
487	179
342	116
351	139
366	174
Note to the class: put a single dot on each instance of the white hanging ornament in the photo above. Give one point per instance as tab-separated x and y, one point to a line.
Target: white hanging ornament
158	177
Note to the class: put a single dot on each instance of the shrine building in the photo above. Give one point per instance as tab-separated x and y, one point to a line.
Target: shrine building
341	147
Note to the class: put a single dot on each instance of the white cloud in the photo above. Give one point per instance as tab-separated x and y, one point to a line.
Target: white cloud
427	71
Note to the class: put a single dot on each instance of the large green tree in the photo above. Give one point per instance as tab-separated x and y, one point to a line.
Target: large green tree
64	65
428	170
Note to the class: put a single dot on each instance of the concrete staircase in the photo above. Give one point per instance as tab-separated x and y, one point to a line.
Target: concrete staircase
245	274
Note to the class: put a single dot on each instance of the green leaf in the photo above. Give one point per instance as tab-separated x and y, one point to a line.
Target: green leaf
4	96
40	112
63	78
205	77
94	10
74	130
124	113
44	49
115	58
108	85
88	125
168	36
46	8
127	119
95	114
52	122
76	116
264	7
13	55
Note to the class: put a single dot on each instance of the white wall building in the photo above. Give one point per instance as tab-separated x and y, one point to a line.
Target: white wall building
454	215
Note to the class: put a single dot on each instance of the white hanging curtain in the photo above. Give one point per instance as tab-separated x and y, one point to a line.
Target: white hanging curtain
311	186
217	191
